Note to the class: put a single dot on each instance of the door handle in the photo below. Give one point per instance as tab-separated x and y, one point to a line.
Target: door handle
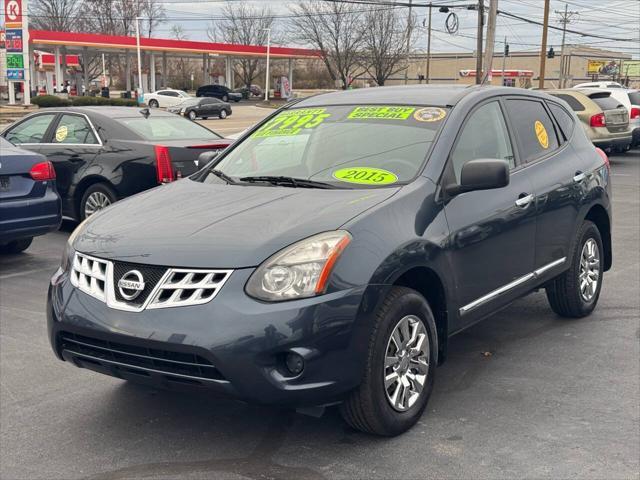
524	200
579	176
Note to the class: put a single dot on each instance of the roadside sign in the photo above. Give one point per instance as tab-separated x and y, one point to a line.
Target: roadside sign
15	74
13	40
16	43
603	67
15	60
13	13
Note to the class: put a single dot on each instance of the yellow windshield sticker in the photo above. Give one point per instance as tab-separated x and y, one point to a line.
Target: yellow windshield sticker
61	133
431	114
292	122
541	133
382	113
365	176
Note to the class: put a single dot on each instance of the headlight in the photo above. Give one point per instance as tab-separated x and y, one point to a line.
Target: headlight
68	248
182	110
300	270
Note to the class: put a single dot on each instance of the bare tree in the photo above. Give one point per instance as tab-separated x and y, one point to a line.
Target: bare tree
58	15
385	35
247	25
335	28
118	17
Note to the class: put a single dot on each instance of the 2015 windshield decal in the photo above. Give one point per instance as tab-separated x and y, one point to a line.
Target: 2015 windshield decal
292	122
365	176
381	113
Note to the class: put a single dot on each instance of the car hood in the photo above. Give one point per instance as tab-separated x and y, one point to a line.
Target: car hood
191	224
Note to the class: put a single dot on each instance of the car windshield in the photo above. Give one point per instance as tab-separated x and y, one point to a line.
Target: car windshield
183	94
168	128
345	146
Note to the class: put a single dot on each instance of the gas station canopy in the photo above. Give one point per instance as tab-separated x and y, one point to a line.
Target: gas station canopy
105	42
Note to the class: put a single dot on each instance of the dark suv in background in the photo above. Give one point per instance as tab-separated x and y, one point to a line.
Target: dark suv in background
329	254
218	91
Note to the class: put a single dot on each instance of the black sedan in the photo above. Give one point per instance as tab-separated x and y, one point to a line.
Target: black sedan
204	107
103	154
218	91
29	202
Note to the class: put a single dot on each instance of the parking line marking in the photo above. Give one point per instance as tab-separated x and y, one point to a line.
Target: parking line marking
19	274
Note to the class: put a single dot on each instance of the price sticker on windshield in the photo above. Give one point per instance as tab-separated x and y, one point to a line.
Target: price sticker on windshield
292	122
365	176
381	113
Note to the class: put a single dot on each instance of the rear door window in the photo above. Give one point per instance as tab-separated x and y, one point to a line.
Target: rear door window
563	118
31	130
573	102
534	128
74	129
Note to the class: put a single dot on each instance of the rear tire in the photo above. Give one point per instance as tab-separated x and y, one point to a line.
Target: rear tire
391	399
225	98
575	293
222	114
16	246
95	198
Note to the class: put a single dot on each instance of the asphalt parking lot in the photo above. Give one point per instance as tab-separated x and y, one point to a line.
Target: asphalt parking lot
523	394
243	116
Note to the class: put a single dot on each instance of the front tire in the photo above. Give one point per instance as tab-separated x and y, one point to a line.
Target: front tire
223	114
400	367
192	115
16	246
575	293
95	198
225	98
153	104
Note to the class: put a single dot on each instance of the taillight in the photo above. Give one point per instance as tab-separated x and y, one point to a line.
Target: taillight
604	157
43	171
598	120
635	112
164	167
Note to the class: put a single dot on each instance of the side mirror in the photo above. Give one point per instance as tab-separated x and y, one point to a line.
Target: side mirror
207	157
482	174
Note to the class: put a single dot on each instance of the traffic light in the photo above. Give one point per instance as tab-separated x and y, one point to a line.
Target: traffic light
551	53
506	49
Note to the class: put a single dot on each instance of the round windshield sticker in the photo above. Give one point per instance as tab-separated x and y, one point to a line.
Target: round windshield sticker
365	176
541	133
61	133
431	114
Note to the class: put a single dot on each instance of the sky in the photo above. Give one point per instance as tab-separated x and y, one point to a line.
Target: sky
610	18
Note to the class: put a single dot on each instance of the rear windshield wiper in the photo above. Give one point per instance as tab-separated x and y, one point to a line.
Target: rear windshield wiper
287	181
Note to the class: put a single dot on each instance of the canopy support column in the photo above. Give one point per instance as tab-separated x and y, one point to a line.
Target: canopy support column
127	70
227	72
152	72
291	77
204	68
85	65
165	73
58	81
64	66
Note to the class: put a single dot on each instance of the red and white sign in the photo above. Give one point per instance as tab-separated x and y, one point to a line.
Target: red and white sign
13	13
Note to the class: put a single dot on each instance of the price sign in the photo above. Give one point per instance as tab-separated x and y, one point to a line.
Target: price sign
14	40
15	74
15	60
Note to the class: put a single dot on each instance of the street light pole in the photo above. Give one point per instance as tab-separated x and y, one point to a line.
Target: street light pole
138	48
428	72
480	8
266	89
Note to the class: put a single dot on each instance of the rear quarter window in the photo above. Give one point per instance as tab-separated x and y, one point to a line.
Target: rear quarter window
563	118
573	102
534	129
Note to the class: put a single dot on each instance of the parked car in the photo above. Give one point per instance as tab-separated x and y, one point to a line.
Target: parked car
330	253
218	91
29	203
253	90
603	118
165	98
634	115
203	107
599	85
103	154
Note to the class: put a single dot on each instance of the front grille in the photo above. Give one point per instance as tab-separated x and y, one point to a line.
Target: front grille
89	275
151	274
188	287
155	360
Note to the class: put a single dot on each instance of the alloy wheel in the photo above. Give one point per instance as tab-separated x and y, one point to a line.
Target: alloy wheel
406	363
223	114
96	201
589	270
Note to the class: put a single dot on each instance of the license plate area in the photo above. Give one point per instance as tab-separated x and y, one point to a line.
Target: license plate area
5	183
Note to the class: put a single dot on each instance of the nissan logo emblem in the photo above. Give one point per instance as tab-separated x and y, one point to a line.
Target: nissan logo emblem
131	285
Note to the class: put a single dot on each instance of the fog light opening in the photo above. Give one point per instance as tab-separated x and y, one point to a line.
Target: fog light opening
294	363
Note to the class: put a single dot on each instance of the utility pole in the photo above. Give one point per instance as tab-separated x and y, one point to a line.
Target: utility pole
504	58
565	17
491	37
543	46
428	72
409	25
479	42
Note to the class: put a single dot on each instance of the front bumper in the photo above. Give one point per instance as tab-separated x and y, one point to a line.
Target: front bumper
233	345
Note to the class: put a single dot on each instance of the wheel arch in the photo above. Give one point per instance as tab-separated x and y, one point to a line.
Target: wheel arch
429	284
598	215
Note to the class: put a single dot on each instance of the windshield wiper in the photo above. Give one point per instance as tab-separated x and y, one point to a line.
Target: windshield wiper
222	175
287	181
